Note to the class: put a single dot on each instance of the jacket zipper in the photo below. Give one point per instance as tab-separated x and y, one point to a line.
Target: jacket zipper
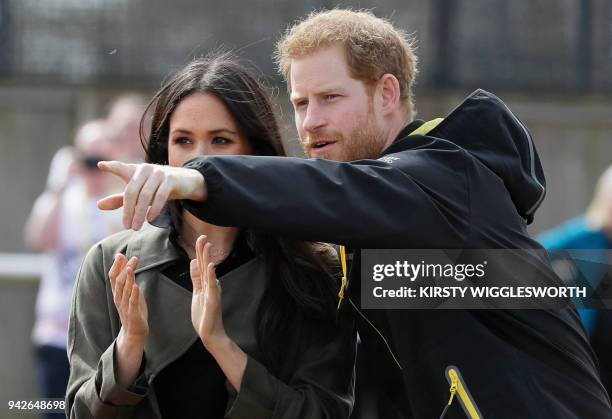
395	359
459	389
344	276
453	391
341	298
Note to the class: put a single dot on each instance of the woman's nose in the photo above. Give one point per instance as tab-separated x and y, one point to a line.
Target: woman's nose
202	149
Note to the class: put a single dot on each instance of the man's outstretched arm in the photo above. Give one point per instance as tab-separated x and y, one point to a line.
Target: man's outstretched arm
367	203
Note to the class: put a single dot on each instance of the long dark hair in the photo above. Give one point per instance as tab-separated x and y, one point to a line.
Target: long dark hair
302	286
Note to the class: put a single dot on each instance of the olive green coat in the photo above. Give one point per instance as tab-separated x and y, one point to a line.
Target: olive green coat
319	384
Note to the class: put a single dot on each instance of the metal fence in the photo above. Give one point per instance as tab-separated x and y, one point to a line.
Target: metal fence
548	45
559	46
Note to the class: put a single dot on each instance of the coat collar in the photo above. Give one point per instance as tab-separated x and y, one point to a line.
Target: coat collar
171	332
153	247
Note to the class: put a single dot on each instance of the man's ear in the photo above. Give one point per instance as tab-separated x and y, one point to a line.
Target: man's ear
390	93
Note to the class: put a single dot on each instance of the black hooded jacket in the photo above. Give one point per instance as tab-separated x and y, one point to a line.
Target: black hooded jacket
473	182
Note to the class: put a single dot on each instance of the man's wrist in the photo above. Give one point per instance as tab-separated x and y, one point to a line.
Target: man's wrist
197	190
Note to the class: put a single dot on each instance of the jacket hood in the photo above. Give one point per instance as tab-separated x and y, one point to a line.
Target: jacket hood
484	126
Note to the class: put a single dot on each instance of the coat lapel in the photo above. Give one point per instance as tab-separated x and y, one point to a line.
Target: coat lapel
170	330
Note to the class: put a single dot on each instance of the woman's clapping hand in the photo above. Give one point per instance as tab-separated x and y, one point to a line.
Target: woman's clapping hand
206	301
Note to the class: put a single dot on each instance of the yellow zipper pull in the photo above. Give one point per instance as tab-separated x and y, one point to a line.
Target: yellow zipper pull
453	389
465	398
344	280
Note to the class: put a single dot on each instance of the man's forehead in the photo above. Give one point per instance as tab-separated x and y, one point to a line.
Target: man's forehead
322	70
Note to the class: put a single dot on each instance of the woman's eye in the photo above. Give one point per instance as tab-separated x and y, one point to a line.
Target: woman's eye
221	141
331	97
182	140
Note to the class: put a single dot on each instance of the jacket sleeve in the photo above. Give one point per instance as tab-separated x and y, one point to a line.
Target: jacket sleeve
92	387
321	386
401	200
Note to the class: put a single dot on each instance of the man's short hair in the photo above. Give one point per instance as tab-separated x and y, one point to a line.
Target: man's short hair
373	46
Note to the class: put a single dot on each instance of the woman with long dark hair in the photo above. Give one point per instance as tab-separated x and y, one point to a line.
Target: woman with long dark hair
265	338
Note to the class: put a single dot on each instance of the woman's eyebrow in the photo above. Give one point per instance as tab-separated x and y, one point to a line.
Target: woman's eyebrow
213	131
220	130
180	130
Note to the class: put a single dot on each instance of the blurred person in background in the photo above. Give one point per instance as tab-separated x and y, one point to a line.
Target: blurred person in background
124	123
63	224
590	231
271	344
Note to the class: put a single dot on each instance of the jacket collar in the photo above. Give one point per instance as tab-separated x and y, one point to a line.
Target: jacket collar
410	128
153	247
404	133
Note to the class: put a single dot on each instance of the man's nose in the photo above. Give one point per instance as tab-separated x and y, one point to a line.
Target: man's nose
314	118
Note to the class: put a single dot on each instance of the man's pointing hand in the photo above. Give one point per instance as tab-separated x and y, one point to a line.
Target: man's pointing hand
148	187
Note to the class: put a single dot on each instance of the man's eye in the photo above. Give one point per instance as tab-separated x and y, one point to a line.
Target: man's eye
331	97
221	141
300	104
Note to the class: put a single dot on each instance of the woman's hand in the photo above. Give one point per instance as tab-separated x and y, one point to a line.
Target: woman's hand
130	303
206	314
150	185
207	318
133	313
